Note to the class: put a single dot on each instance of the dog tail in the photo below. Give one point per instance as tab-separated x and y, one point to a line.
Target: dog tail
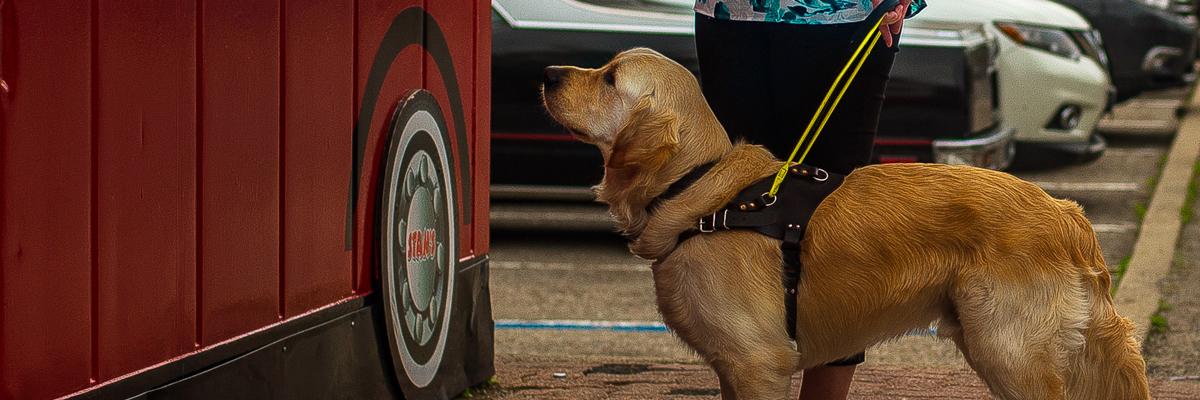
1110	366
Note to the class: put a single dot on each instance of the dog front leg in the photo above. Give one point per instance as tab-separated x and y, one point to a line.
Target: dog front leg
755	377
726	387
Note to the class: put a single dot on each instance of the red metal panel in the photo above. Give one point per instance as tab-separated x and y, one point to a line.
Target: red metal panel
459	32
403	73
483	126
46	191
146	189
169	169
239	167
318	96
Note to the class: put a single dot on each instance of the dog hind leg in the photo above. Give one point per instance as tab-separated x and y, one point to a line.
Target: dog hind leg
1014	348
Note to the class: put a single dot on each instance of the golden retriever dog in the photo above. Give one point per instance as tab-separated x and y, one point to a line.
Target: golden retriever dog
1012	275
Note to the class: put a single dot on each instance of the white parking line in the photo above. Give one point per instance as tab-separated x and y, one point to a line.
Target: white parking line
1090	186
524	192
1114	228
586	216
1149	124
1157	103
1134	152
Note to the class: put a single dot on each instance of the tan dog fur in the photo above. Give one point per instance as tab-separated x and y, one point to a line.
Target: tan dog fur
1015	277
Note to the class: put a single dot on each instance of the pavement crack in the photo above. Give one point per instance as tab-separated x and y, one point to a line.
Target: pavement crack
618	369
694	392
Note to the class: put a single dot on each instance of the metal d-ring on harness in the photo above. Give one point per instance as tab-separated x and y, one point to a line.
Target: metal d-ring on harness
778	207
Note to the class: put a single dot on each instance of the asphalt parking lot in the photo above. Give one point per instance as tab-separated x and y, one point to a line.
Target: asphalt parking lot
567	295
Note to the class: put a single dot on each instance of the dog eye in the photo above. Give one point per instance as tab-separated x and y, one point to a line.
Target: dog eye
610	77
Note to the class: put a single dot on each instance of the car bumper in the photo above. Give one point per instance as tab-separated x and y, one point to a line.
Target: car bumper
1078	152
1036	87
1084	151
992	151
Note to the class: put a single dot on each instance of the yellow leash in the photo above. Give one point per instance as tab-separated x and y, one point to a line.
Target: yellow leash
856	59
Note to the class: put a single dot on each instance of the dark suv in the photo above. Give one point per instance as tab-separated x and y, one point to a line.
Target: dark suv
941	104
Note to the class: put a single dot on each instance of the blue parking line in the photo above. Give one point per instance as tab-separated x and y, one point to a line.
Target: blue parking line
617	326
582	325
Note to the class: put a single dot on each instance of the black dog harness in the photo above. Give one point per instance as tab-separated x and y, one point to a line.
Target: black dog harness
783	217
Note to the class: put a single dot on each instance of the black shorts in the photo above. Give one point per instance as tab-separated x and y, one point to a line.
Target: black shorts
764	80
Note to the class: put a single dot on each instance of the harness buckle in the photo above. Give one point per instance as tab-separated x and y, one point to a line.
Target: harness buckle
712	227
713	222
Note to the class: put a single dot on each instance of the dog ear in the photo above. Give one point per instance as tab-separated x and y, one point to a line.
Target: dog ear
647	139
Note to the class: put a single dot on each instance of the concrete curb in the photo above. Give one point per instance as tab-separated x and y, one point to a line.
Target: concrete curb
1138	295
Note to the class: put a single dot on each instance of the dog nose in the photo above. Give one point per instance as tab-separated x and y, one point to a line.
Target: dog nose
553	76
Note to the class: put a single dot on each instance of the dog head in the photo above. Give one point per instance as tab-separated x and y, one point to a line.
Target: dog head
635	108
649	119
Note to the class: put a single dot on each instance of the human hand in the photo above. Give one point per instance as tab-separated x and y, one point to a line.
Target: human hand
893	21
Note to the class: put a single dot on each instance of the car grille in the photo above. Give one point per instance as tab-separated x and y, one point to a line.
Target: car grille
981	75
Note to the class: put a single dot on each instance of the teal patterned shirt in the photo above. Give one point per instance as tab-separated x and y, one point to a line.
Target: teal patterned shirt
794	11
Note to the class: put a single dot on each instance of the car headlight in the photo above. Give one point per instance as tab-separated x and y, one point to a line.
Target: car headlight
1092	45
1053	40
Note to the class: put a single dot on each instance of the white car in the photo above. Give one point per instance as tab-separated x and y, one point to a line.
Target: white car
1052	70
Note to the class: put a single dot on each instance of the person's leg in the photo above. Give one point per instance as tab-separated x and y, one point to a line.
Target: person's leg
828	382
831	381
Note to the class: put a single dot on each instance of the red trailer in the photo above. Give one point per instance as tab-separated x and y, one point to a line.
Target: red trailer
244	198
